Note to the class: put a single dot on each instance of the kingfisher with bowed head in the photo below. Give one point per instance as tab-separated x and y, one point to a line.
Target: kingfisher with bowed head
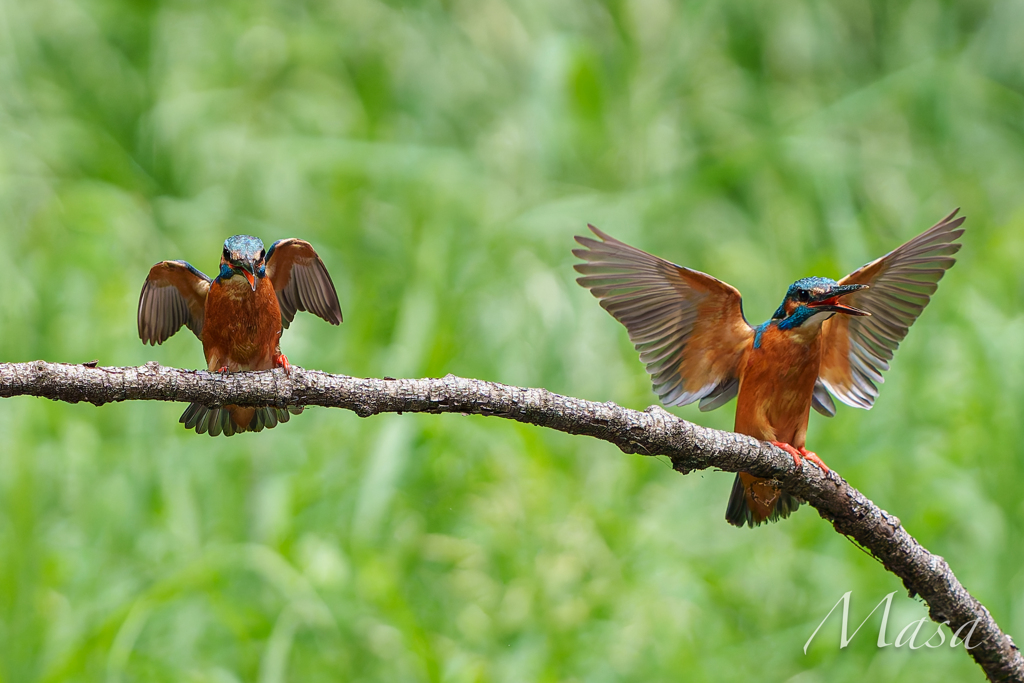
239	316
827	339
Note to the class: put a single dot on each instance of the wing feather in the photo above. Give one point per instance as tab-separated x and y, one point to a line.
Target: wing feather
173	295
301	281
822	401
688	327
901	283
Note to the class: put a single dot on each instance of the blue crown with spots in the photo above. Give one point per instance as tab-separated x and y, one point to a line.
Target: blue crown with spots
809	284
243	246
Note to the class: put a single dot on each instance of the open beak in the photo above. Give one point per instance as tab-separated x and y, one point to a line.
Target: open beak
248	270
832	303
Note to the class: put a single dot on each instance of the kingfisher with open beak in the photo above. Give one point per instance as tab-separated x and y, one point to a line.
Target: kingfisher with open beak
827	339
239	316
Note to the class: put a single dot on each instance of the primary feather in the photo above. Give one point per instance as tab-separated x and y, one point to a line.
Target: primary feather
301	281
173	295
900	284
688	326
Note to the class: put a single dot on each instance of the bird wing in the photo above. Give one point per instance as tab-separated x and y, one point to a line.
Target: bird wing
822	401
173	295
688	327
301	281
857	349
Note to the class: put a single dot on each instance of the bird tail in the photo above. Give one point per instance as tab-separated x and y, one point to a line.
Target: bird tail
754	501
230	420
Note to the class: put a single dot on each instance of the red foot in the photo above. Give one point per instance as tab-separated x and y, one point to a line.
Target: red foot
223	370
797	453
281	361
813	457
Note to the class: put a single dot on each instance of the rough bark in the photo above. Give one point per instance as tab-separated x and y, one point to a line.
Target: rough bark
652	432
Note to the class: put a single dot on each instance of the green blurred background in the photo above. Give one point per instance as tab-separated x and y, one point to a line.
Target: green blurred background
440	156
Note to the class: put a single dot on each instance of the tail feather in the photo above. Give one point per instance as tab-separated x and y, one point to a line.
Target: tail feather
191	415
754	501
203	422
216	425
217	421
227	424
257	422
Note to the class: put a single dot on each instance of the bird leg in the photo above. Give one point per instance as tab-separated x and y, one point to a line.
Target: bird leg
281	361
798	452
223	370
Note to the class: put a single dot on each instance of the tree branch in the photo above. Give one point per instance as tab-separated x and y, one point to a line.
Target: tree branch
652	432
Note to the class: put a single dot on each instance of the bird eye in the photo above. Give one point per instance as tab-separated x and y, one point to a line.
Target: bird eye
227	254
804	295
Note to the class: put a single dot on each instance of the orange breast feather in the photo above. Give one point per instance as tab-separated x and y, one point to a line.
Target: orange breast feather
776	385
242	328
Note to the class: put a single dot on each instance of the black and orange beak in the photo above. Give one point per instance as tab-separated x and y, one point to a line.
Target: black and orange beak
831	303
249	271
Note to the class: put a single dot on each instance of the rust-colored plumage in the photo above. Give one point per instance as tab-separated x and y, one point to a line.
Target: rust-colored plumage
826	338
242	331
239	317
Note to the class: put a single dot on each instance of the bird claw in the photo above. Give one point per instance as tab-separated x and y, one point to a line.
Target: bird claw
223	370
799	453
281	361
813	457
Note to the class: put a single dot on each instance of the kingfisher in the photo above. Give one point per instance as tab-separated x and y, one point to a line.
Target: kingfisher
239	316
826	339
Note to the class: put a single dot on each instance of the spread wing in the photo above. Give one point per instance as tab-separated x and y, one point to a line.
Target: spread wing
301	281
173	295
688	327
857	349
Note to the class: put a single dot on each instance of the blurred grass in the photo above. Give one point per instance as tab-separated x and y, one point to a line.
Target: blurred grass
440	156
